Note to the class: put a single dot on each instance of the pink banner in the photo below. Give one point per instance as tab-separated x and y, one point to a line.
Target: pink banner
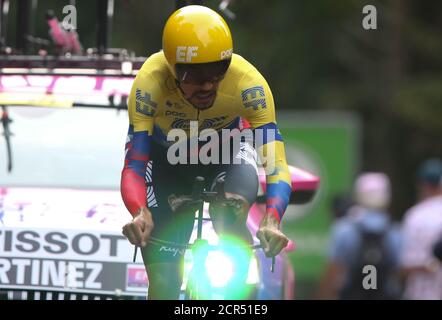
66	85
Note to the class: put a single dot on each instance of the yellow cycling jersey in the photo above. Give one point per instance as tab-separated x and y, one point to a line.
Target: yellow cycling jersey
156	106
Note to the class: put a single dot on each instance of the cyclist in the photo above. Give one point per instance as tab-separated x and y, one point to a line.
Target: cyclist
197	78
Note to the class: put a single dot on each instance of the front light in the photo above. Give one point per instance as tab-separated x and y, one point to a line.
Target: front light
232	266
220	269
253	274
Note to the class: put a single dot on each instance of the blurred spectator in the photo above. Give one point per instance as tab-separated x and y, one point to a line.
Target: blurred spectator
365	236
422	228
340	206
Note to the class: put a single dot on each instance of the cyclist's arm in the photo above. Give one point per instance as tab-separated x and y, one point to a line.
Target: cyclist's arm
259	110
278	189
141	109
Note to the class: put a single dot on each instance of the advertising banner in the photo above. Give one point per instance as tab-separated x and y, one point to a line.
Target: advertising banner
76	249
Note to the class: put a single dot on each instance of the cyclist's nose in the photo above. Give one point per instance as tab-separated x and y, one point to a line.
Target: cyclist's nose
207	85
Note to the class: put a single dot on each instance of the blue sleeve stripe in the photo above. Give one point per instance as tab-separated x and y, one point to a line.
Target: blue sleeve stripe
159	136
278	197
269	133
280	189
141	143
138	166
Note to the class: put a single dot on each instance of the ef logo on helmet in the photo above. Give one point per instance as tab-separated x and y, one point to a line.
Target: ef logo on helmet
185	54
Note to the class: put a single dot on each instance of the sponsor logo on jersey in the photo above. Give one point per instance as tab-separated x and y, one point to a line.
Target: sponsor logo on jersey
207	123
181	124
254	97
144	103
175	114
212	123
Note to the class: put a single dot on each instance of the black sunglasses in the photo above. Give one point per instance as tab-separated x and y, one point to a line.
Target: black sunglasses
202	72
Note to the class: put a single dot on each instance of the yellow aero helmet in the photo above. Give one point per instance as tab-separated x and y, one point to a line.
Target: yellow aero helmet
196	34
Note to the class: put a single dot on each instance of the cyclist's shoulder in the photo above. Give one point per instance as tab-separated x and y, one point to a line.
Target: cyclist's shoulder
240	66
154	74
249	87
245	73
155	68
156	62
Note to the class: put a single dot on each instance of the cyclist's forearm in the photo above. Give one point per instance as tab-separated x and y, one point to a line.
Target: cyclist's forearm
272	154
133	191
269	220
278	195
133	186
145	212
278	186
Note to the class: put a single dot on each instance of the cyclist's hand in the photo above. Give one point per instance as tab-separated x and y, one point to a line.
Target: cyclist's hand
272	239
138	230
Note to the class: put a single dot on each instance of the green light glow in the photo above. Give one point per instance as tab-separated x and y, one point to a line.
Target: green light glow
223	271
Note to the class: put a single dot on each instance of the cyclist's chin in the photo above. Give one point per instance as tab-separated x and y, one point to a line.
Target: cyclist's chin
203	103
